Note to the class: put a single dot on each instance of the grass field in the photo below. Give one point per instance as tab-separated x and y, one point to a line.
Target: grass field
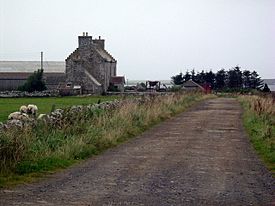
45	104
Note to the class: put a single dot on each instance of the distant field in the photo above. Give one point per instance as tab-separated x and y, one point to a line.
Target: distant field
8	105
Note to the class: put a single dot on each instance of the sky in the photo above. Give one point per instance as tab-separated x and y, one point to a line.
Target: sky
150	39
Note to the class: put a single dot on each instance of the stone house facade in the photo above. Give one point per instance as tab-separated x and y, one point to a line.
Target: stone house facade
90	67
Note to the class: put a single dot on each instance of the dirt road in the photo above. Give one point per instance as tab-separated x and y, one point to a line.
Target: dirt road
201	157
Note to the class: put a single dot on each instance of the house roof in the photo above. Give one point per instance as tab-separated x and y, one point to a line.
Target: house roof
191	84
14	75
31	66
117	80
104	54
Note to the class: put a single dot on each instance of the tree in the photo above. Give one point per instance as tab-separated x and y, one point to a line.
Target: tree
246	79
220	79
200	77
187	76
193	75
266	88
177	79
256	82
235	78
210	78
34	82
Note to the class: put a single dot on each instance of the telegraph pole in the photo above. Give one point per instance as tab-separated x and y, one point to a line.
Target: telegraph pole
41	61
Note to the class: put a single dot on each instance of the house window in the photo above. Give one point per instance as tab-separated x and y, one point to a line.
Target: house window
69	84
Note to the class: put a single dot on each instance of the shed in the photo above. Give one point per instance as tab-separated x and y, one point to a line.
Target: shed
118	82
191	85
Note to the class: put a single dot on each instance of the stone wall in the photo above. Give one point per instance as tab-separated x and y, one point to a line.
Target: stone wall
46	93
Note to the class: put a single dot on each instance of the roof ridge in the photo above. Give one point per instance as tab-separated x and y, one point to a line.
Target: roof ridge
106	52
72	54
109	54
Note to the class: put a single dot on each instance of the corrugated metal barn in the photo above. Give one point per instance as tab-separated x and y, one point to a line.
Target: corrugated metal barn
15	73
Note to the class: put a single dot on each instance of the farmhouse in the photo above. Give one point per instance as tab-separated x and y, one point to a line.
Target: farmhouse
90	69
90	66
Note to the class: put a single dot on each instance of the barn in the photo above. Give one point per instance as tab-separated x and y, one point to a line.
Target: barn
15	73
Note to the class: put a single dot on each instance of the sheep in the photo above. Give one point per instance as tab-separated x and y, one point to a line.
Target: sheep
18	116
14	115
24	117
23	109
32	109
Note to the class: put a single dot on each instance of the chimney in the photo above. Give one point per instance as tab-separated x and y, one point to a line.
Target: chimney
85	40
99	42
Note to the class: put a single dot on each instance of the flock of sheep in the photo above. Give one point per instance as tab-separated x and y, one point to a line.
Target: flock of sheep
25	112
27	115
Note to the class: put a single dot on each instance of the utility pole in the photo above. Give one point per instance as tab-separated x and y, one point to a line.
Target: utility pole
41	61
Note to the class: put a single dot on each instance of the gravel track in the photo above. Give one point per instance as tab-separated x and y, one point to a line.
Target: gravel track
200	157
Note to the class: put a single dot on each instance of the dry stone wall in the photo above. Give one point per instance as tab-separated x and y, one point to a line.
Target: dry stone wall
46	93
60	117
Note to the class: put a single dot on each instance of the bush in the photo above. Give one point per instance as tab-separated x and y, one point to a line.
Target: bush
34	82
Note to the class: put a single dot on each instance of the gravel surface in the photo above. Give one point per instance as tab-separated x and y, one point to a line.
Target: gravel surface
200	157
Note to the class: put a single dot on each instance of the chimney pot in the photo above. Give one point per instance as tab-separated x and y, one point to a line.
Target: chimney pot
99	37
83	33
86	33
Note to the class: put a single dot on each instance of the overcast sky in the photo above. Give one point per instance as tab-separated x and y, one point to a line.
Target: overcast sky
151	39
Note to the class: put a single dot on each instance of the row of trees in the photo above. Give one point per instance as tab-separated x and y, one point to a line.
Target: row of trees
233	78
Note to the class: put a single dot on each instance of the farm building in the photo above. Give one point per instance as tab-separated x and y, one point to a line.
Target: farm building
15	73
191	85
118	82
90	68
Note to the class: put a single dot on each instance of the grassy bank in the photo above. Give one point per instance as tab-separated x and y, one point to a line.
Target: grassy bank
45	104
259	121
34	151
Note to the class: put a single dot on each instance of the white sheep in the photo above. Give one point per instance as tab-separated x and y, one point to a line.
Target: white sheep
14	115
32	109
24	117
23	109
18	116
